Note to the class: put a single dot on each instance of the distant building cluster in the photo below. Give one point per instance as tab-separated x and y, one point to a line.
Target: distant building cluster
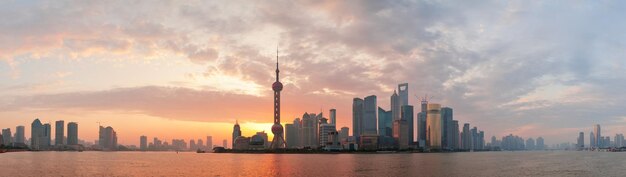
515	143
597	141
433	128
42	138
176	144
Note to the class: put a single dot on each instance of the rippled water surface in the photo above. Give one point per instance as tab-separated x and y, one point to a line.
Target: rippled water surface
558	163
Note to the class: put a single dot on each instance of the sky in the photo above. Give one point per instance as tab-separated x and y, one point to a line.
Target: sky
189	69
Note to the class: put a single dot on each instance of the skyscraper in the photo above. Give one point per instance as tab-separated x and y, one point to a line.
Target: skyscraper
47	135
369	115
236	133
581	140
400	133
474	138
395	106
598	139
107	138
447	117
385	122
59	132
310	127
36	135
422	132
72	133
540	145
455	135
530	144
143	143
277	128
343	133
434	126
325	131
333	116
209	142
592	140
357	117
403	93
19	134
466	137
407	115
291	135
6	137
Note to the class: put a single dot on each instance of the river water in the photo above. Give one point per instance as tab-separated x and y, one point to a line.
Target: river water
544	163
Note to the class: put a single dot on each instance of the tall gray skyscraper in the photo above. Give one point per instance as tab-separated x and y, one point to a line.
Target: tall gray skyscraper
598	133
581	140
209	142
454	137
385	122
47	135
540	145
333	116
395	106
143	143
19	134
36	135
357	117
309	136
466	137
592	140
343	133
422	132
6	137
59	133
403	94
292	138
407	115
434	126
72	133
447	117
369	115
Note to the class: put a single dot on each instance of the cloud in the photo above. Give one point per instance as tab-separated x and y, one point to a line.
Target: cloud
499	64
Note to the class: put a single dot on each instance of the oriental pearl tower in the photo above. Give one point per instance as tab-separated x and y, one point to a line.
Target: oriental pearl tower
277	128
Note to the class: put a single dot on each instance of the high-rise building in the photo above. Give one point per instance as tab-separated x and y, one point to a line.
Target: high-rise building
7	140
193	145
530	144
422	131
597	132
19	135
36	135
481	140
407	115
385	122
474	138
59	133
395	106
343	134
369	115
209	142
466	137
357	117
326	130
447	117
309	136
72	133
539	144
401	133
403	94
47	135
592	140
293	134
333	116
454	136
143	143
434	126
236	132
107	139
581	140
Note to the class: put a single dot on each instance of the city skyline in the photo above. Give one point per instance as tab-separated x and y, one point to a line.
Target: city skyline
189	70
